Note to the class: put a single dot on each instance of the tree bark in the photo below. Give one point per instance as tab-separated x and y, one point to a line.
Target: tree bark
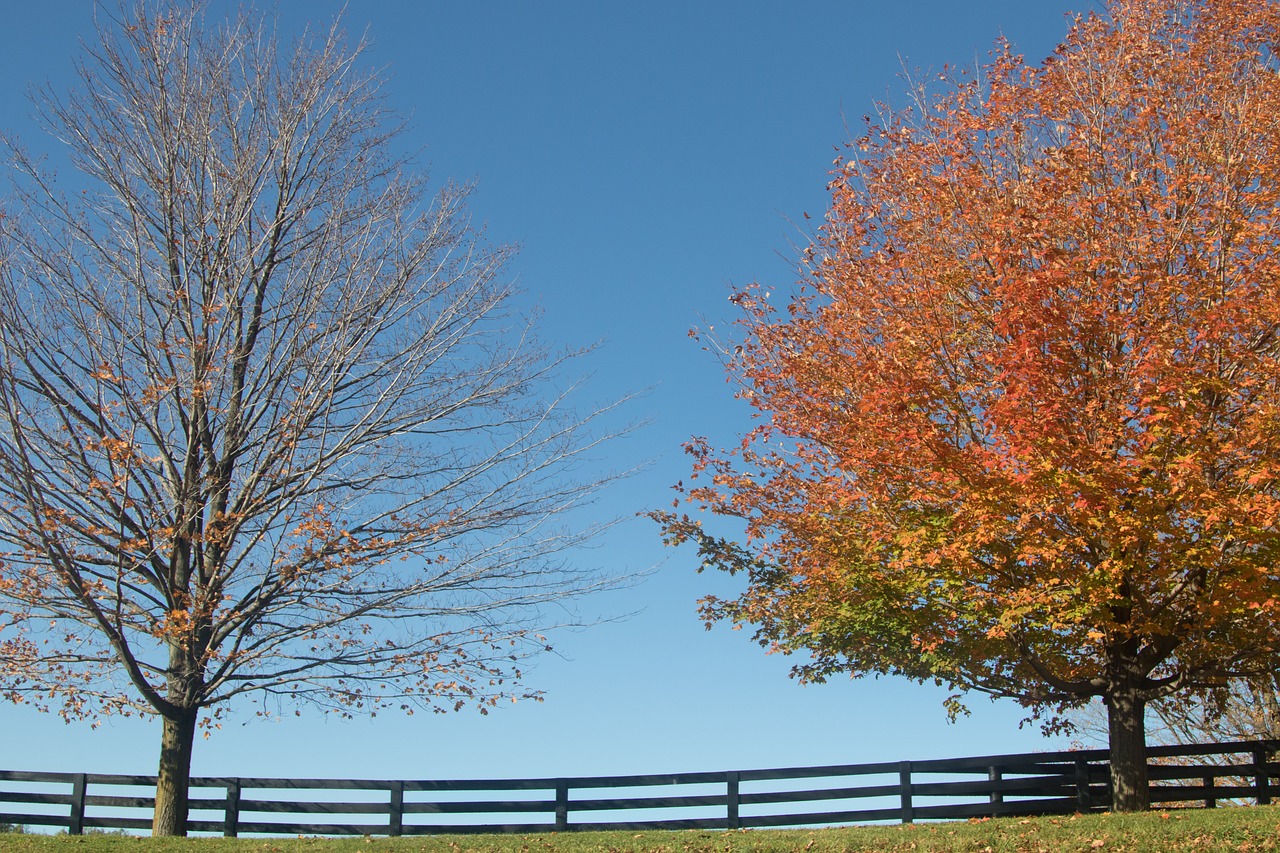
1127	737
174	780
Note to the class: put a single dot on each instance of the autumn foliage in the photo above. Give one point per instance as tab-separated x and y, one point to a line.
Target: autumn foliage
1020	425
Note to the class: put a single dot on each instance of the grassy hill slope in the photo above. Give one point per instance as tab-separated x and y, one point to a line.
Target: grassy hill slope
1242	829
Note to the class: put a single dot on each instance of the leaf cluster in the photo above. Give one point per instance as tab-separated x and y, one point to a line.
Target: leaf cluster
1020	425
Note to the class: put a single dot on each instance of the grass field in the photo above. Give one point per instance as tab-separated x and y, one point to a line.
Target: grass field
1236	829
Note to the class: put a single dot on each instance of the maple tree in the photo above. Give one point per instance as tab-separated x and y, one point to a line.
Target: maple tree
270	424
1020	419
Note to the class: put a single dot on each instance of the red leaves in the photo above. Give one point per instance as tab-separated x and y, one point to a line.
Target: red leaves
1031	388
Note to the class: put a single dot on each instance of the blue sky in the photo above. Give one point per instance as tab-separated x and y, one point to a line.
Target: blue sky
647	157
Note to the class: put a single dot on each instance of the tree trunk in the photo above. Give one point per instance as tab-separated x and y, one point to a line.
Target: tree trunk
174	780
1127	731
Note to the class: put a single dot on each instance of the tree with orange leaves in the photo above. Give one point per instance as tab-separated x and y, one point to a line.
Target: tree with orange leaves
1021	424
270	427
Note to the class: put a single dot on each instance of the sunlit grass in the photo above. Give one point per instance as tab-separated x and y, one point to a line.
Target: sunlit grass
1242	829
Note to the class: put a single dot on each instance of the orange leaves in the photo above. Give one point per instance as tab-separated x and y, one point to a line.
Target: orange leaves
105	373
176	626
119	453
1024	407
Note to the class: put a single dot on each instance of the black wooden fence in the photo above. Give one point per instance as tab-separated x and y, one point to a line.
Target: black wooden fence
994	785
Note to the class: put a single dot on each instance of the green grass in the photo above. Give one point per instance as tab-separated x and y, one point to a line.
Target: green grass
1242	829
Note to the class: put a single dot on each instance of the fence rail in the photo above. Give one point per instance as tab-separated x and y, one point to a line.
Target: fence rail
906	791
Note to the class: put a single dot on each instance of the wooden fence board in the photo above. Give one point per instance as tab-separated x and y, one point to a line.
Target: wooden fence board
821	794
438	785
26	797
632	803
119	823
309	828
117	802
1224	790
35	820
289	807
474	829
1011	784
647	825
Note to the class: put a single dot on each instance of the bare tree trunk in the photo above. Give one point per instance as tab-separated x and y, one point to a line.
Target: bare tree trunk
1126	725
174	780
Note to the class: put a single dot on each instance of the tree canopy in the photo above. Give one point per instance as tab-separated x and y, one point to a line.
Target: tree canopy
271	424
1020	419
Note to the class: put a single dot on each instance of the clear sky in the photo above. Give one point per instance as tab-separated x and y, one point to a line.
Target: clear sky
647	157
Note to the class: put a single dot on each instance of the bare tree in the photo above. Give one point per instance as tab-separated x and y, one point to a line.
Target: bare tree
269	423
1239	710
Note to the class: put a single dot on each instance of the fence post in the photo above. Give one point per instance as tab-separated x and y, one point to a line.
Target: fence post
731	798
904	785
78	784
396	809
562	805
1084	796
1263	780
994	775
1210	801
231	812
